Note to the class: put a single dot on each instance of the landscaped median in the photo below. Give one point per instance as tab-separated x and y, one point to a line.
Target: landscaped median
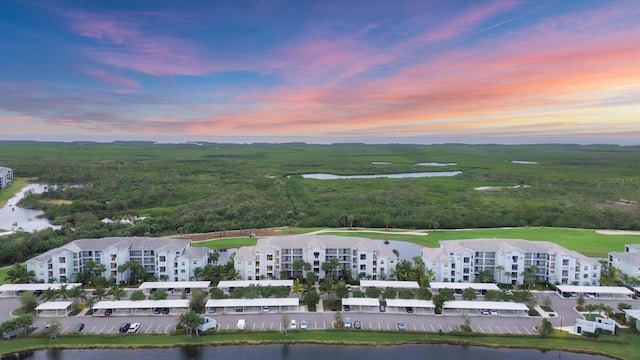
624	346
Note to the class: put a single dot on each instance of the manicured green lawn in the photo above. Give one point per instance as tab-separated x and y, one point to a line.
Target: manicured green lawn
584	241
625	346
226	243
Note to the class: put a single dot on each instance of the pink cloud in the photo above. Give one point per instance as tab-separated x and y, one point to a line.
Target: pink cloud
111	78
468	21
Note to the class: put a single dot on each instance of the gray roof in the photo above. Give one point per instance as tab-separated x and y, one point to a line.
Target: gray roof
131	243
627	257
195	253
436	254
5	170
509	245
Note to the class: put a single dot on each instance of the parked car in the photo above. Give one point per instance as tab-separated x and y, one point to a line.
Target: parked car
166	311
409	310
134	328
494	312
357	325
108	312
157	311
293	325
347	323
303	325
346	307
78	327
124	327
241	324
382	308
401	325
265	309
485	312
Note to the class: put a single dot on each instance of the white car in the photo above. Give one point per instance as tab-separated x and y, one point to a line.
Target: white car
347	323
303	325
134	328
293	325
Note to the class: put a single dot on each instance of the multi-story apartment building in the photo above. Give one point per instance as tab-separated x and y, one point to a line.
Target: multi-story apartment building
507	261
171	259
273	258
627	262
6	177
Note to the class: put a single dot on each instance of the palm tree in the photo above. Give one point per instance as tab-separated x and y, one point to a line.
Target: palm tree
64	291
78	293
99	292
298	287
190	322
18	274
117	293
50	295
500	270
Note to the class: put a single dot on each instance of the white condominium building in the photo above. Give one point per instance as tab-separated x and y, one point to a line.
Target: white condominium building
273	258
627	262
173	259
6	177
507	261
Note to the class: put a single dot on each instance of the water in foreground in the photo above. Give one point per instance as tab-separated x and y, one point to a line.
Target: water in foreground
311	352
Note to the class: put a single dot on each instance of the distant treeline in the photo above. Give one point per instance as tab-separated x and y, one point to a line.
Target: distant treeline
213	187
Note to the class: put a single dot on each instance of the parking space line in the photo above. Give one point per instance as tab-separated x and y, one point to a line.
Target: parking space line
423	328
489	331
499	330
148	329
379	326
93	330
415	328
432	328
158	328
506	329
450	328
518	331
527	330
441	328
167	329
479	329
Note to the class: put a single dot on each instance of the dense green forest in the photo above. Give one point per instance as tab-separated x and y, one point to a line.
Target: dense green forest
187	188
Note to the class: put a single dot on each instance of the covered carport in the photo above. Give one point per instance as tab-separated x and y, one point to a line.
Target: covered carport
383	284
425	307
361	304
229	285
594	292
481	288
148	286
54	308
233	306
141	307
502	308
16	289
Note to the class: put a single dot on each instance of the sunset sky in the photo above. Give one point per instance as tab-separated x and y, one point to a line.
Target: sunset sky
321	71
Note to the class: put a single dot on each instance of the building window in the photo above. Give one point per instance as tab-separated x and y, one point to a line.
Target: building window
163	258
565	262
269	257
62	260
465	260
363	267
363	256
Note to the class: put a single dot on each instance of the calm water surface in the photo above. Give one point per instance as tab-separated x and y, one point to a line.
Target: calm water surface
321	176
13	217
312	352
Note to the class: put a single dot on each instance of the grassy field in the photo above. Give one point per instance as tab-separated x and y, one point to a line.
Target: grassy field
226	243
625	346
8	193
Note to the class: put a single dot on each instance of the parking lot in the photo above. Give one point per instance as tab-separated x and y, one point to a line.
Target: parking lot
272	321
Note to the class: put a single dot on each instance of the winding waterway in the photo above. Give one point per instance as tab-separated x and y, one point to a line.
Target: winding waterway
14	217
310	352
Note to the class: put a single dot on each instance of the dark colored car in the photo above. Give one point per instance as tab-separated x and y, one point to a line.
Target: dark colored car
347	308
124	327
157	311
108	312
409	310
357	325
78	327
165	311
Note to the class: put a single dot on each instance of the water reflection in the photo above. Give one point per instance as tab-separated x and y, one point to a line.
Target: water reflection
321	176
14	217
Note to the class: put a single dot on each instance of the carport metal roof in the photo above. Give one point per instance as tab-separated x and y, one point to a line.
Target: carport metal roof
54	305
462	286
38	286
175	284
142	304
245	283
618	290
390	284
489	305
252	302
361	302
410	303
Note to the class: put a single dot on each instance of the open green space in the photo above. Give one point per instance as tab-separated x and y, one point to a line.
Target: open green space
584	241
189	188
11	190
226	243
624	346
